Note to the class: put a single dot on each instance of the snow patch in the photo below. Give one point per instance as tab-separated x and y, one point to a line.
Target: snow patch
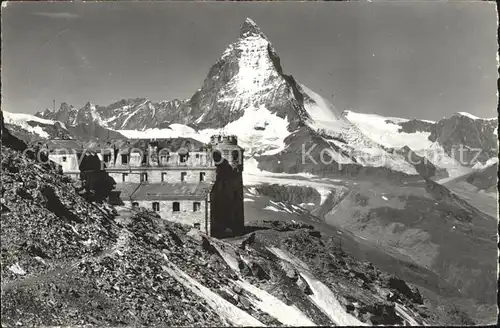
324	193
174	131
287	315
16	268
266	141
469	115
21	120
379	129
437	156
322	296
272	208
323	115
226	310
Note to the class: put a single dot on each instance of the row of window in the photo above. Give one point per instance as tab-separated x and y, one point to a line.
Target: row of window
144	176
164	158
176	206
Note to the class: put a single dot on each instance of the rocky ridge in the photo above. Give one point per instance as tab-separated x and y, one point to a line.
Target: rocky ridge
72	262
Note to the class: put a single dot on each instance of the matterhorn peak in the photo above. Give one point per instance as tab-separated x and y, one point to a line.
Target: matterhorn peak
65	106
88	105
250	28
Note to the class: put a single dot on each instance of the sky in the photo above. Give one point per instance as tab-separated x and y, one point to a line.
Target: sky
408	59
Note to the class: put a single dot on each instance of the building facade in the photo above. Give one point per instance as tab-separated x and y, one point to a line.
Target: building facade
181	179
67	153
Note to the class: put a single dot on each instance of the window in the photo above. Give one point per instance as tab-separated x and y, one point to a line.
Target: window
197	155
124	159
183	158
163	176
135	204
107	158
197	226
144	177
176	207
183	176
124	177
196	206
156	206
235	154
165	158
202	176
217	157
144	159
64	159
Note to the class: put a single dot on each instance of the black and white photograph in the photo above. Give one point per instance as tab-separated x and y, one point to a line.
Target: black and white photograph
253	163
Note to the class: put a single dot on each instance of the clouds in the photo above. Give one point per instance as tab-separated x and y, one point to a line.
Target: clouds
57	15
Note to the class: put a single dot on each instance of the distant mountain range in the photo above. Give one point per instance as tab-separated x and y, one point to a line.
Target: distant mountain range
247	93
370	189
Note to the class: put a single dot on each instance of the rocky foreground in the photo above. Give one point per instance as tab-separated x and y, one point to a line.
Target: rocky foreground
66	261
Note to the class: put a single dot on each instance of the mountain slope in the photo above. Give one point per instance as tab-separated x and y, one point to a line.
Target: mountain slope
71	262
417	230
479	188
438	142
126	114
32	128
475	135
7	138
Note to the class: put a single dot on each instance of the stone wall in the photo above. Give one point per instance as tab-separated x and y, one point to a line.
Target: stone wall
68	162
186	215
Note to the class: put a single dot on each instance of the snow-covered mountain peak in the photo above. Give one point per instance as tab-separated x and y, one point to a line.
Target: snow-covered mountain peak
89	105
249	28
66	106
473	117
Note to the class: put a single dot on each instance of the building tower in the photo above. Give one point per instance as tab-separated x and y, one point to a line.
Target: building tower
226	196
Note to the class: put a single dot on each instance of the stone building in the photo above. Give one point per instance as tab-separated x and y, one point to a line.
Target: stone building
181	179
66	153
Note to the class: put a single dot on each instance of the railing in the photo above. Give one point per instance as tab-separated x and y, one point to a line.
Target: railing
152	165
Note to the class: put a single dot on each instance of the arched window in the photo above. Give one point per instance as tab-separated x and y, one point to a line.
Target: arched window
176	207
217	156
235	154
